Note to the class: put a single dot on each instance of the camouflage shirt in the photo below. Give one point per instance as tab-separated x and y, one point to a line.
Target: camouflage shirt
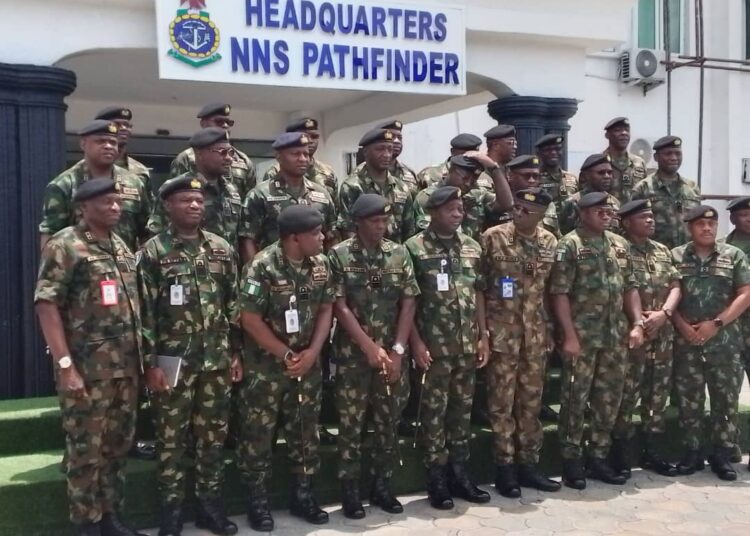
708	287
318	172
627	171
669	201
447	320
742	241
401	172
559	185
372	283
516	316
595	273
223	211
478	205
137	168
401	223
432	175
266	288
264	203
59	210
104	340
567	218
242	174
189	300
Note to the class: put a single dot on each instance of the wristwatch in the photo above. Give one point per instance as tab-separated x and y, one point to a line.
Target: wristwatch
287	356
398	348
491	169
667	312
638	323
718	322
65	362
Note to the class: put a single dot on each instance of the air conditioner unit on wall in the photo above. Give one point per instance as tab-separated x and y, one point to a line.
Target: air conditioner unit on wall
642	67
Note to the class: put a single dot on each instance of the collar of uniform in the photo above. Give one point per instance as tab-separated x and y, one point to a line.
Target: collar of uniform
385	247
177	241
280	182
430	233
364	174
645	247
659	182
107	245
690	250
281	259
734	234
81	170
614	159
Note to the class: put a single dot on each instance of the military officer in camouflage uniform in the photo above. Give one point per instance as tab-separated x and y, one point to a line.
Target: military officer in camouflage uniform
258	228
87	301
649	369
242	171
188	282
715	292
286	302
518	258
627	169
671	194
99	145
595	176
317	171
593	288
557	182
212	154
398	168
449	342
375	177
375	303
460	144
501	147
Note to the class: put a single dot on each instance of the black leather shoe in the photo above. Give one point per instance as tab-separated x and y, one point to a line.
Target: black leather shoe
258	513
506	483
381	495
210	516
171	521
619	457
111	525
721	466
88	529
548	414
461	486
573	474
530	477
691	462
653	462
437	488
143	450
736	455
599	469
303	503
351	505
326	437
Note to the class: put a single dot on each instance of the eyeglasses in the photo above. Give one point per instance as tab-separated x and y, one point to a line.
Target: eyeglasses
224	151
604	212
225	122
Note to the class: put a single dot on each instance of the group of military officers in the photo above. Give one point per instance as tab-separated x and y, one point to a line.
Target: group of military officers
485	260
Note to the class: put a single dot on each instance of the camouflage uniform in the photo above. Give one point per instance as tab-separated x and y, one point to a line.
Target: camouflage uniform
594	273
670	200
401	223
649	369
478	204
448	326
372	285
708	287
242	174
559	185
399	171
264	203
627	171
567	218
266	286
140	169
742	242
518	329
318	172
104	342
59	210
432	175
204	331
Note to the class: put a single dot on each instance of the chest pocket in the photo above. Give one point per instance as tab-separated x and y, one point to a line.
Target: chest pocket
232	207
721	269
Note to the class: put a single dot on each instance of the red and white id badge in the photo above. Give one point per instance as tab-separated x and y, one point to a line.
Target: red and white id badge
109	292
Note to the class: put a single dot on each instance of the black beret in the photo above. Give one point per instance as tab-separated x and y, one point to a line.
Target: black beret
442	195
376	135
534	196
94	188
617	121
594	199
595	160
466	163
303	124
392	124
740	203
500	131
668	142
215	108
634	207
114	112
466	142
186	182
368	205
290	139
701	211
298	219
99	126
208	136
549	139
524	161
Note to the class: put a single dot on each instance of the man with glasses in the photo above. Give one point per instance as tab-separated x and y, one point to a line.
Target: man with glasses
595	176
627	168
501	147
460	144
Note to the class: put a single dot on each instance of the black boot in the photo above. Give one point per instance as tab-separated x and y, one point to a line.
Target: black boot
111	525
599	469
461	486
653	462
351	505
573	474
437	488
210	516
143	450
548	414
326	437
381	495
303	504
691	462
530	477
721	466
171	520
736	455
619	457
506	483
258	512
88	529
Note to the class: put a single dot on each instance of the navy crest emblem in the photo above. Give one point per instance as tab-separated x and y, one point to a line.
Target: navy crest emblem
194	36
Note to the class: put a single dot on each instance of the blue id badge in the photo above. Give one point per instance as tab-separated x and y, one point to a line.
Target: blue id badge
507	288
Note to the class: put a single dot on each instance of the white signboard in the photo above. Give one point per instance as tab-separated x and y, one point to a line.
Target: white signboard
341	44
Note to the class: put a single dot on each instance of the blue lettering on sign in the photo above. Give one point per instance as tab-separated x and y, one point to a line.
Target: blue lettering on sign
378	22
290	17
308	15
327	18
272	12
256	55
361	24
346	19
440	31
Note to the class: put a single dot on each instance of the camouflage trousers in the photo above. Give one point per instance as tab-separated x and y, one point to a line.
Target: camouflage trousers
515	383
263	402
595	378
98	434
358	387
195	413
720	372
648	379
446	409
